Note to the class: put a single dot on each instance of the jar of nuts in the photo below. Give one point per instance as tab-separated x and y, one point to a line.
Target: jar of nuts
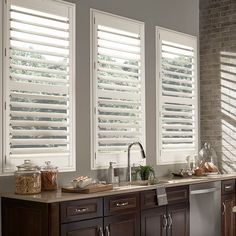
49	176
27	178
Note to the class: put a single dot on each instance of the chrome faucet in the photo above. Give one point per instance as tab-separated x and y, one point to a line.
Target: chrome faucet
129	178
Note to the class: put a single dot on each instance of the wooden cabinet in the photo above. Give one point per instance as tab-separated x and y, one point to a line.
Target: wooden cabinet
27	218
83	228
129	214
178	220
154	222
170	220
228	219
125	224
122	216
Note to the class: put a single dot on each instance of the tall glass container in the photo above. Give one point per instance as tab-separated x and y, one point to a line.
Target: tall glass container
27	178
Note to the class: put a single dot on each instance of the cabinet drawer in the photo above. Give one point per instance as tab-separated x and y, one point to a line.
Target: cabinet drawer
228	186
80	210
177	194
174	195
121	204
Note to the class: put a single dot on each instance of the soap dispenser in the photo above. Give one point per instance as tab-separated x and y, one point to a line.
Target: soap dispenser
111	173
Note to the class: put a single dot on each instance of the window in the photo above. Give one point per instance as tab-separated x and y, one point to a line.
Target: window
39	83
118	88
177	109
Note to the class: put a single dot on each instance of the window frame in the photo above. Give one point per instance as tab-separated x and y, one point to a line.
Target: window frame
71	162
1	83
178	37
93	91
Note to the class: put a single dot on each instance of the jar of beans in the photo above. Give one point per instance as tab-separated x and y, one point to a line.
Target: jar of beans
49	176
27	178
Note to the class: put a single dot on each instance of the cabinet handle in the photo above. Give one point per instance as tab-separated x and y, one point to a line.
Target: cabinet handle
122	204
81	210
100	232
170	221
165	222
107	231
224	208
228	187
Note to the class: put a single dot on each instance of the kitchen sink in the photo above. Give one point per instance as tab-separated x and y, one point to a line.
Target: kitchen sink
137	184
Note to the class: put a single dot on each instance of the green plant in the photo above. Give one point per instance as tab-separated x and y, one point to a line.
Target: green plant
145	172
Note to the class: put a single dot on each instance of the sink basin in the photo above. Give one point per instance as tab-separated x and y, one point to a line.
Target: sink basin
137	184
124	187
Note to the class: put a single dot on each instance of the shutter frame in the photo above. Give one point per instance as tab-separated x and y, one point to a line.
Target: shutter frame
109	87
64	162
176	152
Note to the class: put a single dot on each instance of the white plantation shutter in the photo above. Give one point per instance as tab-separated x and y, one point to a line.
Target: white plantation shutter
177	99
118	88
39	80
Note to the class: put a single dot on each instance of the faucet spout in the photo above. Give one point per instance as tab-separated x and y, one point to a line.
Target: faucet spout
129	179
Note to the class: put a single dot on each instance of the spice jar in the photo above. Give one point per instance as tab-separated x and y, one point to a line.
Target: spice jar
49	176
27	178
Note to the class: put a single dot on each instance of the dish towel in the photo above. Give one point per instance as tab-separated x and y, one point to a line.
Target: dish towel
161	196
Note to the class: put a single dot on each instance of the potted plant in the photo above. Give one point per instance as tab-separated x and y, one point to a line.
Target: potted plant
145	172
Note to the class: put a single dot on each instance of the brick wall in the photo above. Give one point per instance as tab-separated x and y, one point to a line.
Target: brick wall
218	78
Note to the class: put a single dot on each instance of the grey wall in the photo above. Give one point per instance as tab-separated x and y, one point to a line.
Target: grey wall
181	15
217	78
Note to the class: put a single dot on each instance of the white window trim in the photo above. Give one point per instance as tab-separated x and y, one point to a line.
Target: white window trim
72	111
1	86
93	101
159	160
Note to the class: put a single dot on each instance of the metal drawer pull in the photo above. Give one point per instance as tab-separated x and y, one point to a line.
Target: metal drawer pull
165	222
81	210
122	204
170	221
224	209
228	187
100	232
107	231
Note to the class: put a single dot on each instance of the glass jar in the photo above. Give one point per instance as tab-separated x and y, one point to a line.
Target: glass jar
49	176
27	178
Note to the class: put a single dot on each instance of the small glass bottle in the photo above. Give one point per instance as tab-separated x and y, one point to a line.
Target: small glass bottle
49	177
27	179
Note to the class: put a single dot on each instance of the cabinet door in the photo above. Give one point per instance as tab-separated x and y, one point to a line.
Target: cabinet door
154	222
178	220
83	228
122	225
27	218
228	217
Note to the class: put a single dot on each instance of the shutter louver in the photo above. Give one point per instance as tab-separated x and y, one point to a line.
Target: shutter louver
38	83
119	111
178	118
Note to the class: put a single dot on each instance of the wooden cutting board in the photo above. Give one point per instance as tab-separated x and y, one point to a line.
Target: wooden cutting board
93	188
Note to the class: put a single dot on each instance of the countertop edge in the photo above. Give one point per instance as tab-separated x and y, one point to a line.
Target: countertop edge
58	196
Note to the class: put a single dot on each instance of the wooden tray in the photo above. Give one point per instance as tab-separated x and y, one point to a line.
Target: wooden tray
94	188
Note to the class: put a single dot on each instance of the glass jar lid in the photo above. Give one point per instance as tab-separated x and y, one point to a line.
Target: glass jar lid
27	166
49	167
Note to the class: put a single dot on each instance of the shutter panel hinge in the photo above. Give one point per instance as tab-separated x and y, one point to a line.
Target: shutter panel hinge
5	159
95	155
5	52
159	35
94	20
94	110
5	105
